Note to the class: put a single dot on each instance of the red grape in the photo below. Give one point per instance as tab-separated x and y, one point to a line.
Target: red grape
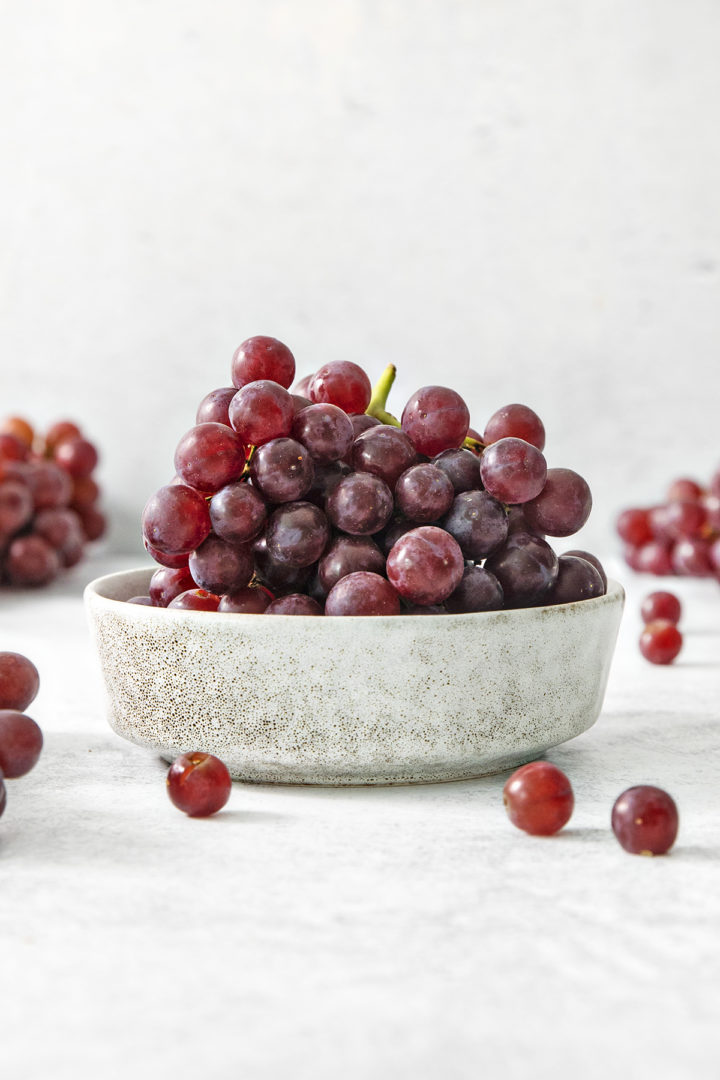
294	604
261	411
20	743
283	470
383	451
195	600
12	448
424	493
362	593
462	468
526	567
634	527
209	456
349	555
691	558
594	561
252	600
213	409
341	383
59	431
517	422
199	784
661	605
645	820
175	562
19	681
539	798
361	504
684	489
30	561
425	565
512	470
77	456
576	580
479	590
478	522
562	507
175	520
297	533
219	567
660	641
435	419
262	358
238	512
19	429
16	507
166	584
325	430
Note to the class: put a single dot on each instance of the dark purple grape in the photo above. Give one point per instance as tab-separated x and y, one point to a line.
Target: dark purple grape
526	567
362	593
294	604
513	470
300	402
218	567
385	452
435	419
325	480
238	512
209	456
213	409
594	561
251	600
576	580
517	521
325	430
262	357
396	528
479	590
424	493
280	577
363	422
562	507
425	565
461	467
361	504
283	470
349	555
261	411
297	533
175	521
478	522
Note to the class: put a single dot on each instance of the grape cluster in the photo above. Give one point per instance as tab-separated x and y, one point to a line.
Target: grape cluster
661	640
316	500
680	536
48	501
20	737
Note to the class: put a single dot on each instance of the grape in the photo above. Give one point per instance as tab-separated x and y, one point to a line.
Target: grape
425	565
61	527
213	409
685	490
645	820
361	504
363	422
712	509
12	448
195	600
517	522
462	468
691	558
251	600
714	556
341	383
175	520
19	681
283	470
59	431
513	470
660	641
294	604
576	580
479	590
517	422
526	567
300	403
30	561
77	456
478	522
594	561
385	452
49	484
539	798
199	784
396	528
93	522
325	430
424	493
174	562
684	519
633	527
19	429
297	533
85	492
261	411
16	507
362	593
653	558
325	480
238	512
562	507
302	386
20	743
661	605
435	419
142	601
280	577
348	555
262	358
218	567
209	456
166	584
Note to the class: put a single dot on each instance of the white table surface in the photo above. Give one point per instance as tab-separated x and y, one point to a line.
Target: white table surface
405	932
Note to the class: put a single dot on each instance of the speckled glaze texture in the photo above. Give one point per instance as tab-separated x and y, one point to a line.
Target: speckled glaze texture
355	700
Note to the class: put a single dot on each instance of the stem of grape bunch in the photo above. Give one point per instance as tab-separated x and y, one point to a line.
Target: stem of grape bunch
378	403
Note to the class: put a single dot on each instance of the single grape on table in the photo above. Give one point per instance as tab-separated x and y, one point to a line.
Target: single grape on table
316	491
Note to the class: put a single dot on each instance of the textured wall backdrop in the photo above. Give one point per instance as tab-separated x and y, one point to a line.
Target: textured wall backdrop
520	200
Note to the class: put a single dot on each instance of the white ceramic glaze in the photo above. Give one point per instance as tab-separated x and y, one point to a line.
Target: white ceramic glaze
355	700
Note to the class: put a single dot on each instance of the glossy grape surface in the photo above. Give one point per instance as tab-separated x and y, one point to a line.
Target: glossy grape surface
661	641
526	567
19	681
30	561
562	507
252	600
219	567
175	520
297	534
360	505
478	522
425	565
539	798
424	493
348	555
325	430
512	470
383	451
341	383
362	593
213	409
21	742
261	411
238	512
294	604
435	419
479	590
461	467
262	357
576	580
518	422
645	820
661	605
209	456
199	784
283	470
195	600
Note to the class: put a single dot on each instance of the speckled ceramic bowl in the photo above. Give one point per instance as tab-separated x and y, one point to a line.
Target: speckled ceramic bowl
390	700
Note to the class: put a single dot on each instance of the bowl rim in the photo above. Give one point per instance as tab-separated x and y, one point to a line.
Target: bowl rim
94	593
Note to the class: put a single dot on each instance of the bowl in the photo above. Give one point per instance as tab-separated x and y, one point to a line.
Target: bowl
351	700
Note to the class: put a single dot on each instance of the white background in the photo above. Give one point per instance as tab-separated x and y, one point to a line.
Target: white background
519	200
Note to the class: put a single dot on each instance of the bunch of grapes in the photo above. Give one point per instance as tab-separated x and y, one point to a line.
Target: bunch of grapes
20	737
48	501
680	536
319	501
